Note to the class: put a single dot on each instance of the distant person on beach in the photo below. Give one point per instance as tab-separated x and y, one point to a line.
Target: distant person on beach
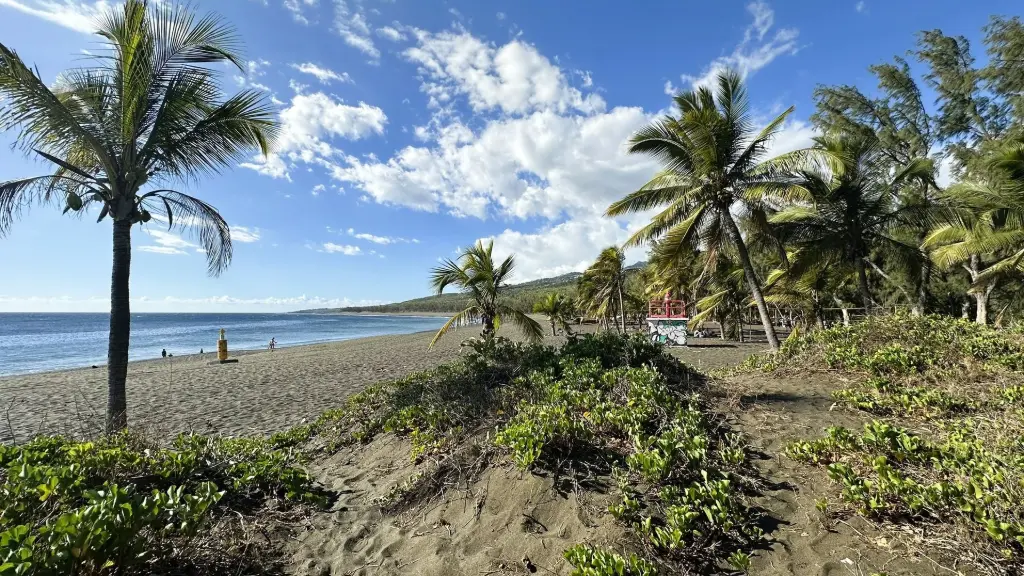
200	351
273	343
163	353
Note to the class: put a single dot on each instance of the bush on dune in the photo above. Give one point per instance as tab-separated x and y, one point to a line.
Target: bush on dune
120	505
601	406
944	446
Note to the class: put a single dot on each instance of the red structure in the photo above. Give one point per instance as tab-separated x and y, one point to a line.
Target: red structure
667	308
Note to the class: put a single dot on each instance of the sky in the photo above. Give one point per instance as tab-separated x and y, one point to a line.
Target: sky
411	128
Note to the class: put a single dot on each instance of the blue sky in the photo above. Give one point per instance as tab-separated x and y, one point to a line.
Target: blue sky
413	127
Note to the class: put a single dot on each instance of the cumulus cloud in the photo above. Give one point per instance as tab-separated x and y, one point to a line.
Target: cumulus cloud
514	78
318	189
74	15
567	247
298	8
347	250
390	33
754	52
543	164
308	123
324	75
353	28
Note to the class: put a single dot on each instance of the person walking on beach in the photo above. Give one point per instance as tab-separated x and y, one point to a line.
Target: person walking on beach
163	353
273	344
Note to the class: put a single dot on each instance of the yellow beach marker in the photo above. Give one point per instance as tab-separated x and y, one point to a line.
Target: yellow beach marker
222	347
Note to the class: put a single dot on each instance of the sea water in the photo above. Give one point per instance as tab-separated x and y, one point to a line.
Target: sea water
36	342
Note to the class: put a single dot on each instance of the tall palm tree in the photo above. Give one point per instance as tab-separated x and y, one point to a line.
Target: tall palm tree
983	228
558	309
711	157
147	114
604	284
478	277
842	216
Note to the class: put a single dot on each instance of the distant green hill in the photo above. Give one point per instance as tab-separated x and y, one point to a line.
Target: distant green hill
521	296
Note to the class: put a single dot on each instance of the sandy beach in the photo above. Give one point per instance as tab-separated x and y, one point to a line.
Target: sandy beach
263	393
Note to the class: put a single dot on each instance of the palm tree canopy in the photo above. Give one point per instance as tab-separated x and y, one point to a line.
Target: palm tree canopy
147	113
843	215
476	275
712	156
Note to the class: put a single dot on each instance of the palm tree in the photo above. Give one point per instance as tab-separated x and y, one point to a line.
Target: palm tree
604	283
711	157
145	115
983	227
844	215
484	282
558	309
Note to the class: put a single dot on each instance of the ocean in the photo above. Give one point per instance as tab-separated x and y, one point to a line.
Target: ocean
40	342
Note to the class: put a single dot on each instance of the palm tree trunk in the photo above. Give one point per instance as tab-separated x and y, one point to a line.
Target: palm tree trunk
120	328
622	310
862	281
981	308
752	281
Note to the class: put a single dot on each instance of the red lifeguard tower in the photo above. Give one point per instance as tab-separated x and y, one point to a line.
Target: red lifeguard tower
667	320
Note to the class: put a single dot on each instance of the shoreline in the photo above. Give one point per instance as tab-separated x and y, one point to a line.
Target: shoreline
210	356
264	392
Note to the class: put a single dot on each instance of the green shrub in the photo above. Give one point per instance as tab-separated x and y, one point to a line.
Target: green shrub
118	504
590	561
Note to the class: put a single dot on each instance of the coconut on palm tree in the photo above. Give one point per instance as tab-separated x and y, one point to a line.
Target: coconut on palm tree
484	282
711	156
147	114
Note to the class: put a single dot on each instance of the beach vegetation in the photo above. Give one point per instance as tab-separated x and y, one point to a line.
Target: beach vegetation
122	504
941	444
559	311
485	281
146	113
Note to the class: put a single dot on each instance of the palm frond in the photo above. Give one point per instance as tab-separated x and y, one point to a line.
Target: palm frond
529	327
464	318
198	219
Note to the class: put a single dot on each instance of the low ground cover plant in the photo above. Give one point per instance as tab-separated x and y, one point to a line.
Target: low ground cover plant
943	448
600	406
121	505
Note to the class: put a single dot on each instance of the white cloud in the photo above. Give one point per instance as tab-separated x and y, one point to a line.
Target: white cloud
500	15
861	6
101	303
945	176
307	122
354	29
254	69
514	78
543	164
570	246
298	9
324	75
753	53
347	250
167	243
318	189
385	240
75	15
162	250
794	135
244	235
390	33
